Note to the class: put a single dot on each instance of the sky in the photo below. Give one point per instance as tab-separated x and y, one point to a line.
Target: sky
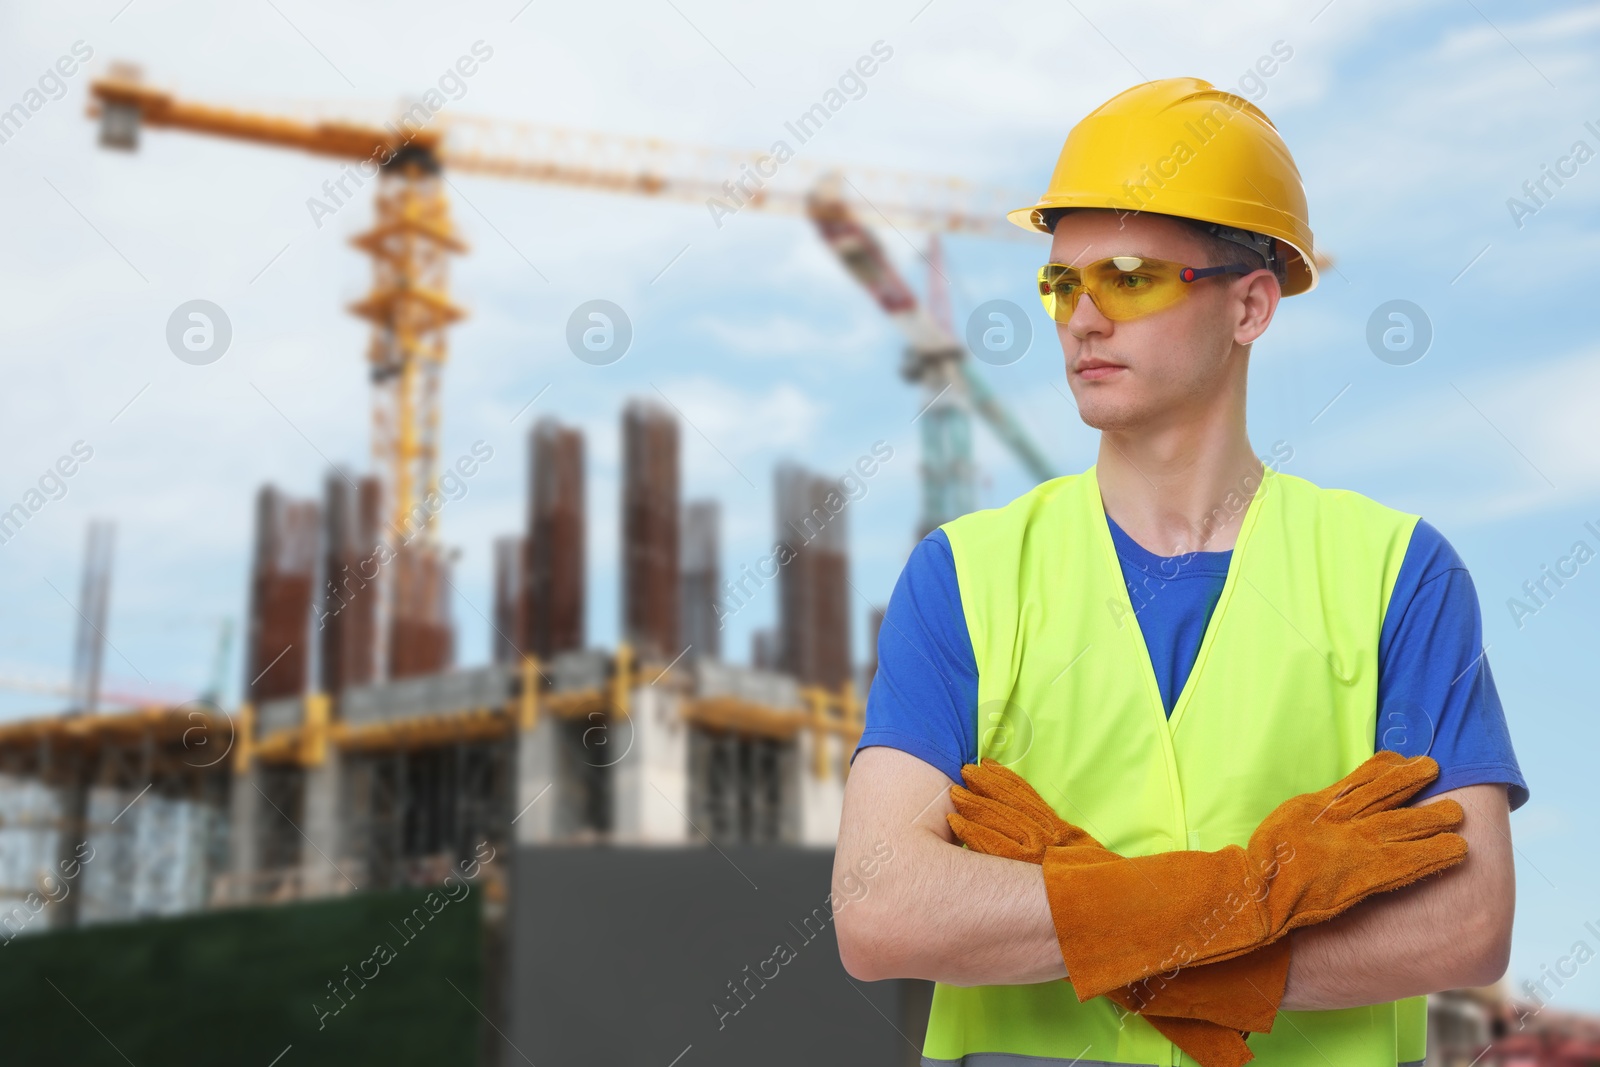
1414	124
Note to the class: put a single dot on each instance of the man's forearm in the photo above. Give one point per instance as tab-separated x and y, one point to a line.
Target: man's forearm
966	919
957	916
1448	931
936	911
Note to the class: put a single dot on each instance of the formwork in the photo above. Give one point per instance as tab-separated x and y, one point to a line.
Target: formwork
421	639
283	570
554	600
347	617
650	529
813	586
509	640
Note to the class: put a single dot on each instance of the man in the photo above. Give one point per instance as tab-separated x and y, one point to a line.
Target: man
1173	642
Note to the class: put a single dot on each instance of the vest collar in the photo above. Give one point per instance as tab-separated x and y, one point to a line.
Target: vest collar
1094	515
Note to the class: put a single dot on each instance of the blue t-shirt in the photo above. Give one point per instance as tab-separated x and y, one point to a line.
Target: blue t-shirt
1435	692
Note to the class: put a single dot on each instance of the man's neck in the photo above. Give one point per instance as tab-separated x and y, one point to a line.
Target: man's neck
1182	489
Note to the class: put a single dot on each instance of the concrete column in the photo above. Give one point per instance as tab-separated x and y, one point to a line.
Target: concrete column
244	830
821	795
791	769
322	852
73	800
650	779
539	794
699	763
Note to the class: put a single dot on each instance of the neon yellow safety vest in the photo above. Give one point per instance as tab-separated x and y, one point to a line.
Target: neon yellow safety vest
1282	700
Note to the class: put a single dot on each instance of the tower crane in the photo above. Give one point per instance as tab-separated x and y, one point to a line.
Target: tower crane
413	235
935	360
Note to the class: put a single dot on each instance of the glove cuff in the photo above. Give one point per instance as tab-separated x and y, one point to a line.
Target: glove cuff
1206	1043
1242	993
1122	919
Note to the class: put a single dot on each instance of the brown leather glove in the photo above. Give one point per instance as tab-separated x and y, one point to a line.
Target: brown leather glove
1201	1009
1207	1044
1000	814
1120	920
1240	994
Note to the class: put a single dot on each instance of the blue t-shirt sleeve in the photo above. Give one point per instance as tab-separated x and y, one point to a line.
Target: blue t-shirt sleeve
1436	694
924	697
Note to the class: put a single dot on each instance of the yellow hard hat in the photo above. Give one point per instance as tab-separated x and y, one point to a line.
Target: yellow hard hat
1180	146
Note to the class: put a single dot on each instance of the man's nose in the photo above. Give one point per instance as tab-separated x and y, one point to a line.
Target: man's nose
1087	319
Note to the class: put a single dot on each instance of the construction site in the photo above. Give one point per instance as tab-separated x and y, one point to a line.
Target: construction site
363	763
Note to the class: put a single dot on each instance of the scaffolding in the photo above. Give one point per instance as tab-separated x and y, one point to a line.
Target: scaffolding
390	784
110	816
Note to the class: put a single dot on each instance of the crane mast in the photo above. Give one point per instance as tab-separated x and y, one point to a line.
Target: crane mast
410	242
934	360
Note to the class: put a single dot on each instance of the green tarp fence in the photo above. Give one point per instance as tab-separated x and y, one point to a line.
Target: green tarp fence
242	987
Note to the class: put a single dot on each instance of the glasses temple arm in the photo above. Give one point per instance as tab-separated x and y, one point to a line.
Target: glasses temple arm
1190	274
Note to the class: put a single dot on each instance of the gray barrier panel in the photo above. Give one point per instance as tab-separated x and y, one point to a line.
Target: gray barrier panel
622	957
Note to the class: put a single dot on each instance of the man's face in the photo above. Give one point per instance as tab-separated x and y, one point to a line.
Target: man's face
1153	370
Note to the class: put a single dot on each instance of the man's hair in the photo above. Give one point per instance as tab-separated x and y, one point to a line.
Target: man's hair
1218	250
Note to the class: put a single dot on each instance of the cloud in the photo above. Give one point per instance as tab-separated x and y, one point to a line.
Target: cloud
742	423
1518	440
780	334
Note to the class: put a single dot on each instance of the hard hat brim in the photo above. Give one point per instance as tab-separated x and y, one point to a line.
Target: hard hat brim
1302	268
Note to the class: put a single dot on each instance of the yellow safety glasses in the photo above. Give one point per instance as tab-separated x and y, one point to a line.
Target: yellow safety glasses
1122	287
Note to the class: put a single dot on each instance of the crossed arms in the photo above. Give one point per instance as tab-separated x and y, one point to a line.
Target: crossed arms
949	914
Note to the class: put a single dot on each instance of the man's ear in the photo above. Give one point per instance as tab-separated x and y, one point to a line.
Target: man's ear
1257	296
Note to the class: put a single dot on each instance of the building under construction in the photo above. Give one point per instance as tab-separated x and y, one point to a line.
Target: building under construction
361	757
